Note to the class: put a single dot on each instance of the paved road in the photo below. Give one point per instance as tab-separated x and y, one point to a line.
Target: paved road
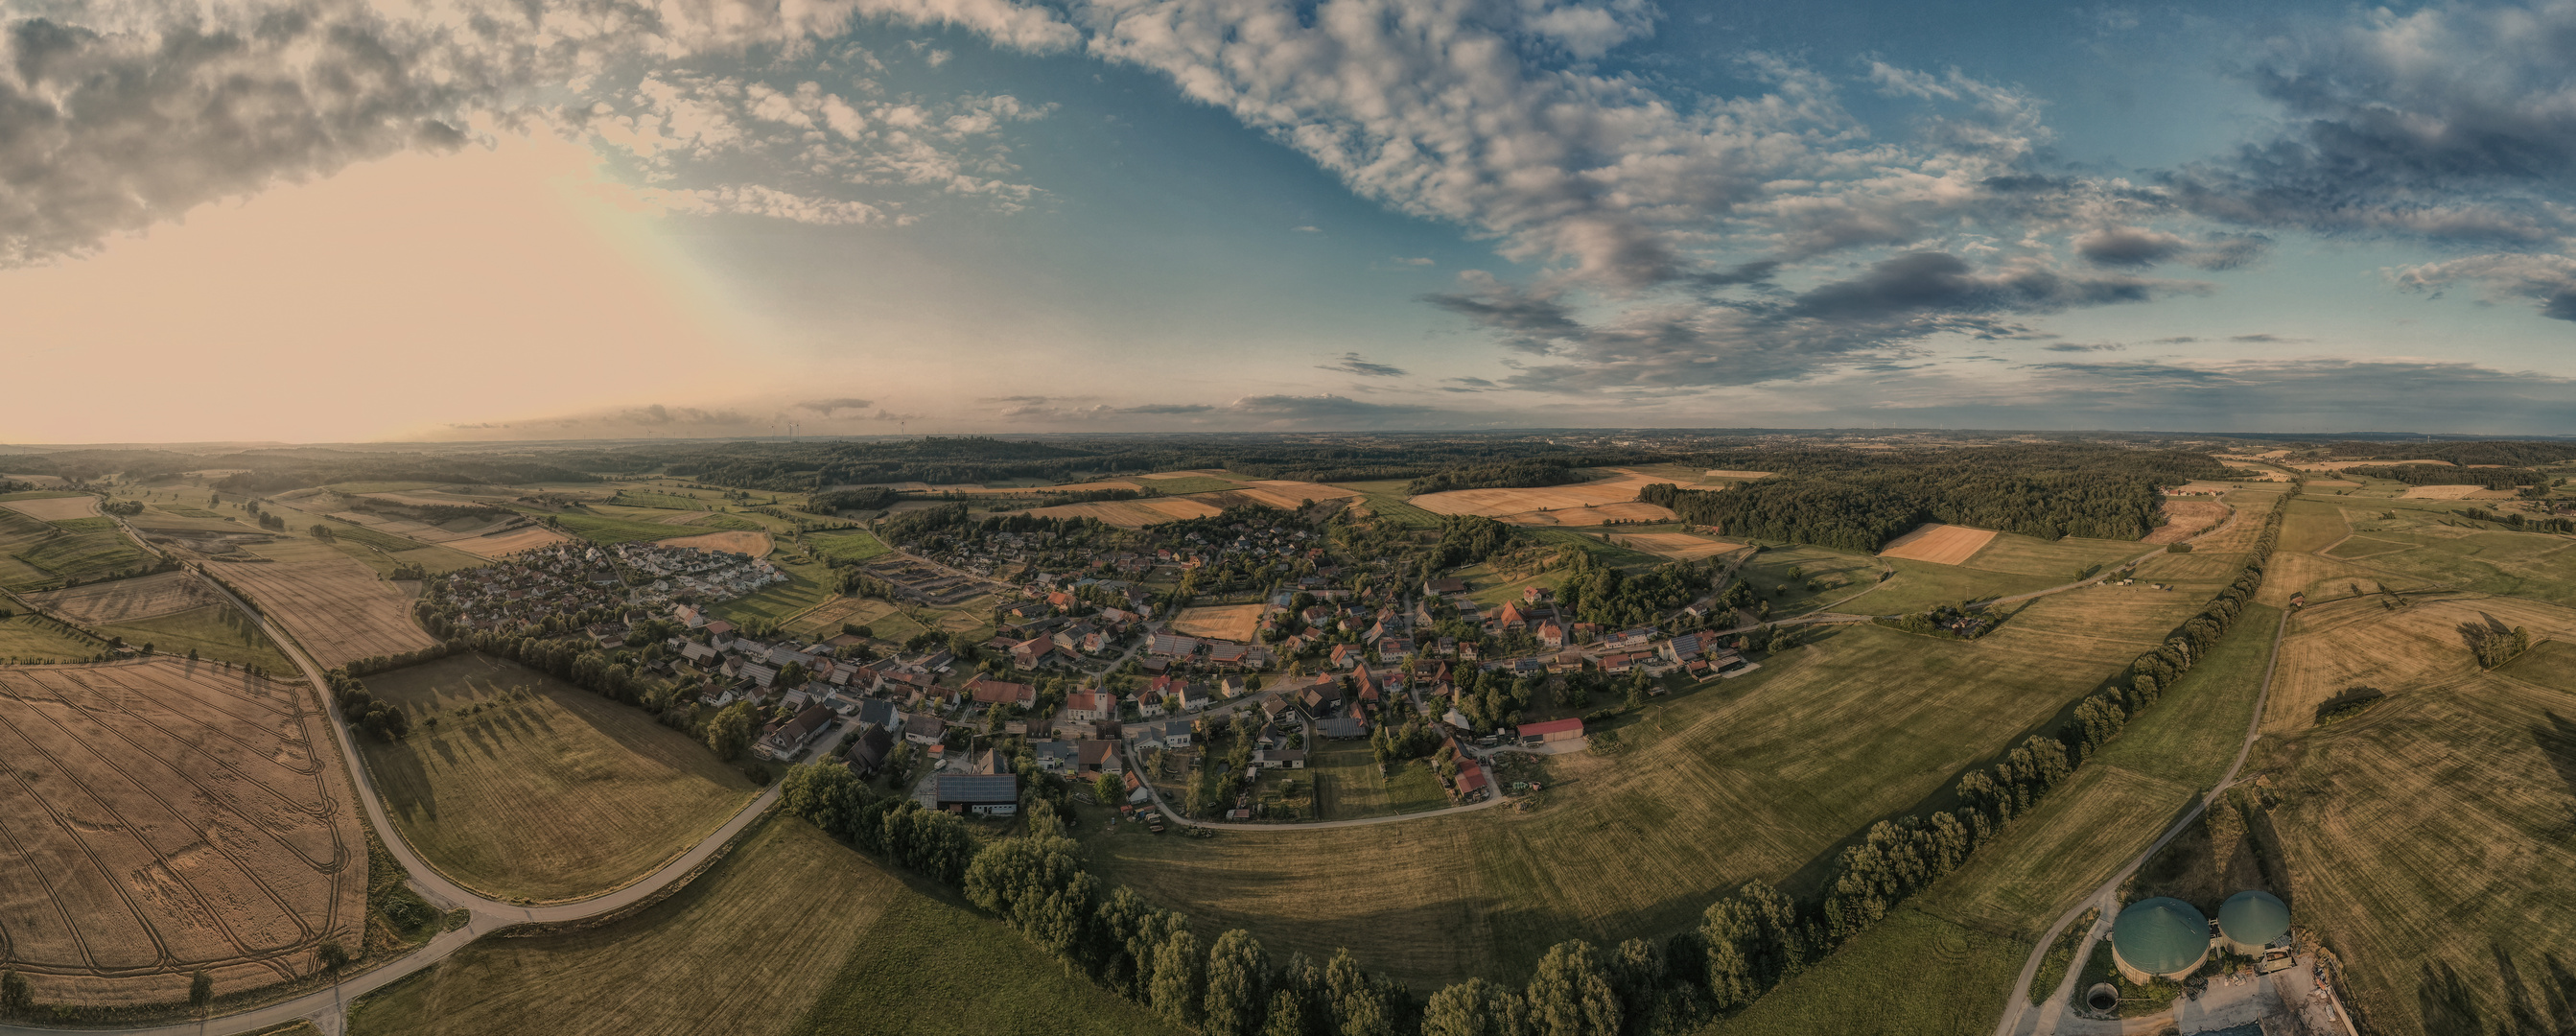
2044	1017
327	1007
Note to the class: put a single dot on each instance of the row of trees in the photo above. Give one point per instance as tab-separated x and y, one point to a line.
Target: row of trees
1508	474
2446	475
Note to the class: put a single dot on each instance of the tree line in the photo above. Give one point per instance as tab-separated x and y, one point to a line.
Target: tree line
1508	474
2445	475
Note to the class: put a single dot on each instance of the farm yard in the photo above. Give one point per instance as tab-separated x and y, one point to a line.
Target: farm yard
186	815
790	934
1938	544
336	608
521	786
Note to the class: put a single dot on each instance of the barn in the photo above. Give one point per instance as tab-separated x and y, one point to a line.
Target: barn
1569	729
2157	938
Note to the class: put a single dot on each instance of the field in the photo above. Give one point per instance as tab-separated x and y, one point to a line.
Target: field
2185	519
55	508
808	584
1132	514
1741	476
126	599
2337	645
1912	974
521	786
1386	500
2455	493
755	544
846	546
45	553
607	531
29	638
790	934
1782	576
1286	495
217	631
166	816
1758	777
1679	546
1939	544
493	545
1235	622
2428	841
335	608
1620	488
1631	511
1348	785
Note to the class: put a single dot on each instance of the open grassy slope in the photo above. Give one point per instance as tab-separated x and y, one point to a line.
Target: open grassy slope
553	793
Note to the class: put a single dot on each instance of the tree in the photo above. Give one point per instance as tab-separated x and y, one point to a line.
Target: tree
323	532
333	955
1287	1015
1180	978
1571	995
201	990
1475	1008
1238	979
815	789
15	996
1109	788
1360	1005
729	733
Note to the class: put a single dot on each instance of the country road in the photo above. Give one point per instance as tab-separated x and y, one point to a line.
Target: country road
328	1008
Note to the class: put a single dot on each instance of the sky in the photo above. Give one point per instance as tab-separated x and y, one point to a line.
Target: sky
408	220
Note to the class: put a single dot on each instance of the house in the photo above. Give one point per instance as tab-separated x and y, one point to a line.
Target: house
1085	707
1031	653
922	728
1172	645
996	795
869	748
988	761
1344	729
1095	756
1345	655
1685	648
882	713
1232	686
1535	594
1055	756
1176	734
1194	697
1393	649
1511	618
1322	698
791	737
988	691
1472	785
1279	759
1551	635
1568	729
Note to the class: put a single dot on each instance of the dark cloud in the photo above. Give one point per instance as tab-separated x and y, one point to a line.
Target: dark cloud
1937	281
2129	246
1353	363
2098	347
2175	340
828	407
2263	338
1167	408
2548	279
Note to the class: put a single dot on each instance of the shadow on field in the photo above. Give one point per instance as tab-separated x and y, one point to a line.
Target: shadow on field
398	767
2556	736
2449	1002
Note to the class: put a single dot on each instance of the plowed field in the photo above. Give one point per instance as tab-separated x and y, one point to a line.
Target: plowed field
335	607
163	816
1939	544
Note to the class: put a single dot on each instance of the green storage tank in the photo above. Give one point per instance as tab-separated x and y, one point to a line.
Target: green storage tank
2162	937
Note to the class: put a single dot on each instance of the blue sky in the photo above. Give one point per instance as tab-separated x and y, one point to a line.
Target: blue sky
982	215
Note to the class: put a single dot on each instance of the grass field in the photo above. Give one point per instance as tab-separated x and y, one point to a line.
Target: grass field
1838	575
2337	645
1912	975
2119	801
2059	561
552	794
39	553
846	546
2428	840
808	584
1348	786
791	933
606	531
123	600
1758	777
217	631
1386	499
27	638
1918	585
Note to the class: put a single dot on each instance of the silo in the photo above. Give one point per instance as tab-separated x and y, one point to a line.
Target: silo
2162	937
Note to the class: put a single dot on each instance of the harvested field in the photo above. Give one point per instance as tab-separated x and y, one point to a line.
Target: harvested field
216	632
1939	544
1724	473
1632	511
501	544
125	599
35	480
2454	493
336	608
1680	546
166	816
56	508
1620	488
2185	519
755	544
2427	841
27	637
2336	645
1289	496
1132	514
525	786
1235	622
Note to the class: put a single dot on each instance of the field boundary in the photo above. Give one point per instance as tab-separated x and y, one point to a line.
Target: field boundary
534	929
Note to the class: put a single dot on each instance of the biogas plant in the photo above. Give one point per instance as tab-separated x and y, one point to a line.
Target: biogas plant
2167	938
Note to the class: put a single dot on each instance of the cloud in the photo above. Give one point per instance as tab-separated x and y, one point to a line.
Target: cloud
2315	393
1300	410
1352	363
1157	409
1308	230
2549	279
2451	122
2071	347
120	114
2135	247
831	407
2261	338
1415	261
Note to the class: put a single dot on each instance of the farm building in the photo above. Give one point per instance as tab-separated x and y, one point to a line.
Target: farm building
2251	919
791	737
996	795
2157	938
1567	729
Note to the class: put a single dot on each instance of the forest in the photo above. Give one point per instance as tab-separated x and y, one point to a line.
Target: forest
1510	474
2445	475
1858	501
799	467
